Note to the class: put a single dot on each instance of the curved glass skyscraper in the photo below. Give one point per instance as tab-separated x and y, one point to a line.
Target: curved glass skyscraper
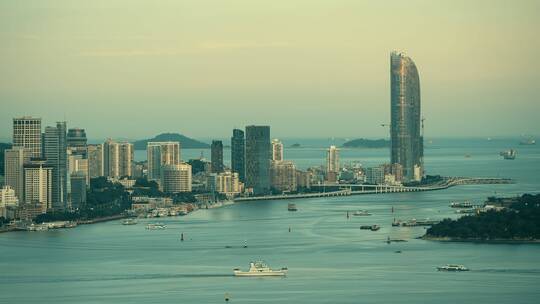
405	134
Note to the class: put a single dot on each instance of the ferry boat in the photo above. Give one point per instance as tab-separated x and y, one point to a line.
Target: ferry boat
452	267
361	213
292	207
260	269
129	221
508	154
465	204
155	226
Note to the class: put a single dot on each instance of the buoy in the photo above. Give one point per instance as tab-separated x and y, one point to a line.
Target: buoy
182	236
289	229
245	243
227	297
347	214
392	209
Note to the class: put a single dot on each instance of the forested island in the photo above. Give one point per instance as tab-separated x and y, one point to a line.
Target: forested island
367	143
513	220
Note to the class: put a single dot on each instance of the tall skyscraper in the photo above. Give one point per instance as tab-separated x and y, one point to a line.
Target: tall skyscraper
38	184
238	153
14	159
76	137
277	150
160	154
258	156
405	126
216	157
55	153
176	178
27	134
95	160
78	189
117	158
332	164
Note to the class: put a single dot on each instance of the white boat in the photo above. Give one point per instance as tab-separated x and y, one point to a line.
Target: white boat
452	267
155	226
129	221
361	213
260	269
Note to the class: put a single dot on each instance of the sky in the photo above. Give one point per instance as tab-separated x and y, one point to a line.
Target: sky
307	68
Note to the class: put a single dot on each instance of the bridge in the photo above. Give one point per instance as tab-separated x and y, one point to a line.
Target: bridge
356	189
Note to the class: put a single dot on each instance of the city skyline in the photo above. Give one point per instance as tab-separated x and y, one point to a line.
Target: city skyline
472	57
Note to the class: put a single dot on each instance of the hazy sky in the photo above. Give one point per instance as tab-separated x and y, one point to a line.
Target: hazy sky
307	68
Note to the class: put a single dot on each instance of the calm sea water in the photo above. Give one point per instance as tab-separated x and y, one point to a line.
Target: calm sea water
330	259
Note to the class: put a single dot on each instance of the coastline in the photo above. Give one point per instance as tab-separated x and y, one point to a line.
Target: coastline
480	241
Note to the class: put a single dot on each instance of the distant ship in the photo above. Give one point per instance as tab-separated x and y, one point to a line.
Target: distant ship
452	267
292	207
155	226
129	221
465	204
508	154
260	269
361	213
528	142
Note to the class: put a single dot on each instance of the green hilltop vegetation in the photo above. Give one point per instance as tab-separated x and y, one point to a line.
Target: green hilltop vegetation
367	143
185	142
519	221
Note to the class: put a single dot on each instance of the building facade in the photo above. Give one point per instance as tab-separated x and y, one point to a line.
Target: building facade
176	178
78	189
95	160
283	176
216	156
55	152
27	134
160	154
38	184
117	159
258	156
277	150
238	154
228	183
14	160
332	164
405	126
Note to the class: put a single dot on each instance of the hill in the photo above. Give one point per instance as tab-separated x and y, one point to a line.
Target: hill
3	147
367	143
185	142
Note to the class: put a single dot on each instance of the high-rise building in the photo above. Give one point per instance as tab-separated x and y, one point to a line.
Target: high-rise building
160	154
77	163
78	189
283	176
14	159
95	160
216	157
117	158
277	150
76	137
55	152
405	126
176	178
8	202
38	184
228	183
332	164
238	153
375	175
27	134
258	156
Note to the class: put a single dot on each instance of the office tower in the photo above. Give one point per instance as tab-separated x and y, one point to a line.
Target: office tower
55	152
117	158
258	156
78	189
38	184
405	126
216	157
14	159
238	152
375	175
27	134
176	178
160	154
277	150
228	183
283	176
76	137
77	163
8	202
95	160
332	164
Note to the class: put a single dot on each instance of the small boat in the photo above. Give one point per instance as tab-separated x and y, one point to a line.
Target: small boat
260	269
452	267
156	226
508	154
375	227
292	207
129	221
370	227
528	142
465	204
361	213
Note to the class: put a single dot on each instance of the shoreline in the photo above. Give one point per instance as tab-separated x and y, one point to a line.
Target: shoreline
479	241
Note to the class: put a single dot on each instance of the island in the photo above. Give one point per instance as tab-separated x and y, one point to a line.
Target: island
185	142
503	220
366	143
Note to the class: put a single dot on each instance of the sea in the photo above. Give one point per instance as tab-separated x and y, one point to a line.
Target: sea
330	260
